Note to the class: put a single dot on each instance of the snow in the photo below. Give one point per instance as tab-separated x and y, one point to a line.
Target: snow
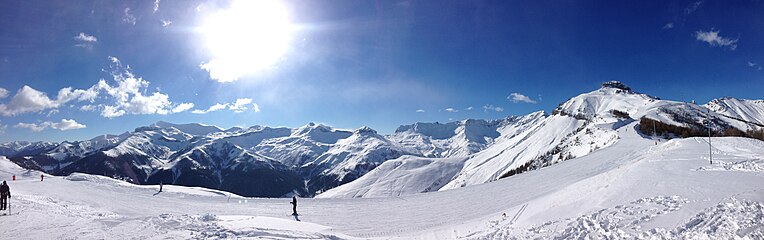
634	188
196	129
744	109
403	176
454	139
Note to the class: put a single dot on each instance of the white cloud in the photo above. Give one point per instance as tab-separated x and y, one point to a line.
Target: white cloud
420	110
63	125
156	6
128	95
166	23
26	100
156	103
518	97
83	37
3	93
668	25
2	128
489	107
712	38
84	40
182	107
67	124
240	105
89	108
216	107
451	110
129	17
112	112
469	108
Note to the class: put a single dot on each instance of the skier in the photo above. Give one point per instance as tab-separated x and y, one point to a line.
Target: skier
294	205
160	186
5	192
41	177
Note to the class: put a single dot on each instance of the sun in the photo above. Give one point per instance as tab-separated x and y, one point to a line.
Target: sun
248	37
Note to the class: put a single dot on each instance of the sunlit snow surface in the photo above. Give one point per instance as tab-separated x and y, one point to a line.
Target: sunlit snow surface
634	188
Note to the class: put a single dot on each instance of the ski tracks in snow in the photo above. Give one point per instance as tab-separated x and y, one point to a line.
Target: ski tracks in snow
730	219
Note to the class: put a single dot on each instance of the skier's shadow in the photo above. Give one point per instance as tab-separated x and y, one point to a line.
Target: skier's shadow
157	193
296	217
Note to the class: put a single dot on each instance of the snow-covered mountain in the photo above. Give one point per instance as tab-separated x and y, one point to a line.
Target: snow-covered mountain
576	128
420	157
743	109
454	139
224	165
349	159
301	145
24	148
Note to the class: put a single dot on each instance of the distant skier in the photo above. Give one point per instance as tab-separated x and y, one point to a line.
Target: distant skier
42	176
294	205
160	186
5	192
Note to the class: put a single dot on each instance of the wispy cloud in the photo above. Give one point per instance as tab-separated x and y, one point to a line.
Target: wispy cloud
85	37
692	7
469	108
3	93
754	65
166	23
63	125
156	6
518	97
128	17
84	40
489	107
451	110
420	110
668	25
714	39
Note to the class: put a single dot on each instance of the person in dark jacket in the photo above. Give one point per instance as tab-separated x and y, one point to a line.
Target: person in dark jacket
5	193
294	205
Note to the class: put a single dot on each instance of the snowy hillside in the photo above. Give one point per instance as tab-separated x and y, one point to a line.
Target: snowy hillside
632	189
402	176
580	126
743	109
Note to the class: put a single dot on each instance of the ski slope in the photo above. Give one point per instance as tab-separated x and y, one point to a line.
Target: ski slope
635	188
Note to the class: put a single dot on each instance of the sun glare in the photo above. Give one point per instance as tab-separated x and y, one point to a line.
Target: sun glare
246	38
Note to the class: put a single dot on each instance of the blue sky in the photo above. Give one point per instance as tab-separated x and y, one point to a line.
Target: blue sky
72	70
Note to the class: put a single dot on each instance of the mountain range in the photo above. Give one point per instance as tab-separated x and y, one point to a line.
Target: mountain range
319	160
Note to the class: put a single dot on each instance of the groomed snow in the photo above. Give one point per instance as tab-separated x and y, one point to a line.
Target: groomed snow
635	188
